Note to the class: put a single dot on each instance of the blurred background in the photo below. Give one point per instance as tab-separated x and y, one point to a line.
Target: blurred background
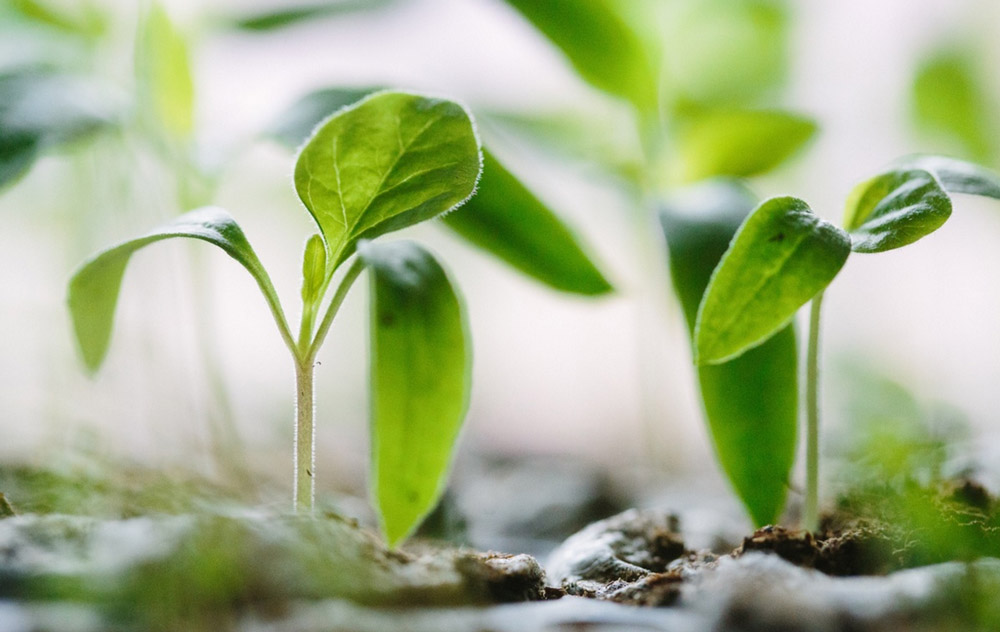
196	364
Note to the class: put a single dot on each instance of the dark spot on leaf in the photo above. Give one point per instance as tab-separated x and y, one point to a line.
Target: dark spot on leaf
387	319
778	237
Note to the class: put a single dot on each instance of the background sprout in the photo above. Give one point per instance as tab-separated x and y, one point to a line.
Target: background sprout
384	163
784	256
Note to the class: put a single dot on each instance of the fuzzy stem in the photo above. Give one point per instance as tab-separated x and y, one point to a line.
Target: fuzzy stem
810	517
305	436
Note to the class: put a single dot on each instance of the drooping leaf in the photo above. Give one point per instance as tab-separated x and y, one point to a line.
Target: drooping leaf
750	402
297	14
601	46
163	65
94	288
507	220
780	258
949	100
724	52
957	176
389	161
40	110
420	381
294	125
895	209
732	142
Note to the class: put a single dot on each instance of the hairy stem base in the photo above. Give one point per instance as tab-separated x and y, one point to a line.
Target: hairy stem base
305	437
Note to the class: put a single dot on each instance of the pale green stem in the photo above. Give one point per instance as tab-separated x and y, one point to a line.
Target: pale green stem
345	284
305	427
305	439
810	515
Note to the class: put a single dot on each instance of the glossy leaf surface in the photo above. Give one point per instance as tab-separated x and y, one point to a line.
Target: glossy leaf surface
750	402
599	44
94	288
508	220
957	176
387	162
895	209
948	100
420	380
739	142
164	73
40	110
780	258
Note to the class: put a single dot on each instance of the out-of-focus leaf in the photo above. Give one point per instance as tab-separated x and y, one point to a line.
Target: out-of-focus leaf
294	15
949	100
602	47
507	220
739	142
86	19
895	209
39	110
94	288
294	125
164	73
389	161
610	142
724	52
781	257
421	356
751	402
957	176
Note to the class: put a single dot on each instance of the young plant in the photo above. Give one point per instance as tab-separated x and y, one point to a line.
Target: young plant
390	160
784	256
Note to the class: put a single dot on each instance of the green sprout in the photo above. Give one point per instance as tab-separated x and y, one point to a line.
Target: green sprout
384	163
784	256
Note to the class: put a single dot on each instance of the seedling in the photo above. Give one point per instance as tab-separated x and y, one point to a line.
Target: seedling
784	256
390	160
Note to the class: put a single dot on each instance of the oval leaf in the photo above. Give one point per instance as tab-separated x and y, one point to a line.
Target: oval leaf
780	258
957	176
163	65
751	402
420	381
599	43
389	161
507	220
94	288
895	209
739	142
949	100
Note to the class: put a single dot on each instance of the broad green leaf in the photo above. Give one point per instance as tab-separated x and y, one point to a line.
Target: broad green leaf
895	209
420	381
298	14
751	402
781	257
94	288
164	73
957	176
294	125
40	110
948	100
599	44
389	161
739	142
724	52
507	220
